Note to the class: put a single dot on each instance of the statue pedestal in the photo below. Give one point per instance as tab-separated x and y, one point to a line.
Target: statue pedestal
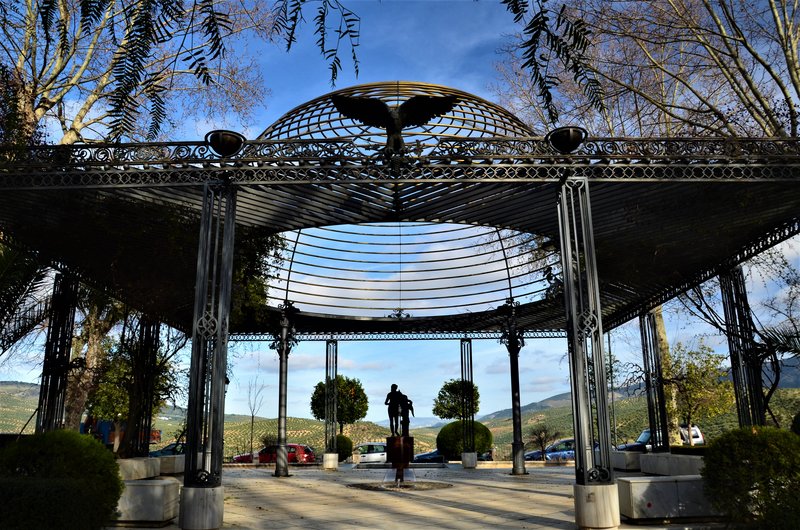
400	452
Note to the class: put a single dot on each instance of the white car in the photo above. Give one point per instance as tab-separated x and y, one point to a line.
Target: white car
372	452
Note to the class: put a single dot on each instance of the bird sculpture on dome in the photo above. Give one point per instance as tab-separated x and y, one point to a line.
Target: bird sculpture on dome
415	111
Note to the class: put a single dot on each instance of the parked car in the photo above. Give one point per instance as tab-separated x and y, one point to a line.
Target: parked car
431	457
372	452
245	458
557	451
175	448
297	454
644	442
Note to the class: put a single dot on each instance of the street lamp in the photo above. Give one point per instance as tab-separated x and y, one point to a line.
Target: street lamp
225	143
566	140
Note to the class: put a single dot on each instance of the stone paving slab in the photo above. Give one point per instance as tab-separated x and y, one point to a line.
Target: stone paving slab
478	499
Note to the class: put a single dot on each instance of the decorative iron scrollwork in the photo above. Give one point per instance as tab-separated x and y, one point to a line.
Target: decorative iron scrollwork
207	325
598	474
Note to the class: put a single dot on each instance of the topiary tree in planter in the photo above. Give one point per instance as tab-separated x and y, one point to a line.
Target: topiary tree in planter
450	441
59	479
753	476
344	446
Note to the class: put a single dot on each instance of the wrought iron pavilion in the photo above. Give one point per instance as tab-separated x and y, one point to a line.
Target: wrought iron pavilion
665	214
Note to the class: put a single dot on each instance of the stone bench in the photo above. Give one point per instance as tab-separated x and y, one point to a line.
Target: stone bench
669	497
149	501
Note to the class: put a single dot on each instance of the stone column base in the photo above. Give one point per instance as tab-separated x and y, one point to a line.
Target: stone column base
330	461
596	506
469	460
201	508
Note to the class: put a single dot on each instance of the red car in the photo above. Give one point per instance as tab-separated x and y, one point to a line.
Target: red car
297	453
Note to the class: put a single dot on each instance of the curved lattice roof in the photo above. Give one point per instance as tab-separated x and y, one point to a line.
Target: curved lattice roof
404	269
471	117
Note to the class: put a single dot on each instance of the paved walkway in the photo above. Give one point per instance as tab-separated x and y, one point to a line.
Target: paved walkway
477	499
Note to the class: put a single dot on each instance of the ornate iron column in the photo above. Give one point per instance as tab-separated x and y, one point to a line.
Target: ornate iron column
596	499
202	503
745	368
467	405
57	349
585	334
654	384
331	395
513	338
283	344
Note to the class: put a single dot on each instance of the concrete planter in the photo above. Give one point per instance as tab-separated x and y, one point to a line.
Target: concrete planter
330	461
626	460
173	464
149	500
469	460
668	464
678	496
139	468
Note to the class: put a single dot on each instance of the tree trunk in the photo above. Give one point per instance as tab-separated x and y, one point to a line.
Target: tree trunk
84	381
252	428
670	396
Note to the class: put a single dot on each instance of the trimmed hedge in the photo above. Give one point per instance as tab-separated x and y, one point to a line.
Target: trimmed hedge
753	476
59	479
450	443
344	446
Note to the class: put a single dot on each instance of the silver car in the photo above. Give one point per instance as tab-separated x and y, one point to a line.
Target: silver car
372	452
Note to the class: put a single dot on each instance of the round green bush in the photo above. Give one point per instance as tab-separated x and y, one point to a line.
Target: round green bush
59	479
344	446
753	476
450	443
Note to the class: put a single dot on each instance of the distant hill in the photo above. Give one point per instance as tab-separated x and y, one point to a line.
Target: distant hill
559	400
19	389
418	423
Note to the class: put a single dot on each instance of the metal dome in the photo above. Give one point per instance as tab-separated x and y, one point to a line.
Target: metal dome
404	269
471	117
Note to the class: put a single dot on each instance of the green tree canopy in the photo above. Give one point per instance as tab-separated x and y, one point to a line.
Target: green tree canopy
120	384
700	383
351	402
447	404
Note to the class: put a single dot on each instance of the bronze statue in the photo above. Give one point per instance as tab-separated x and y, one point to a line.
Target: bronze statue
406	406
393	401
415	111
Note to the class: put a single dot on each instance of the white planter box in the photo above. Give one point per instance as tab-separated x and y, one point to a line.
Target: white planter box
625	460
139	468
151	500
669	464
663	497
172	464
